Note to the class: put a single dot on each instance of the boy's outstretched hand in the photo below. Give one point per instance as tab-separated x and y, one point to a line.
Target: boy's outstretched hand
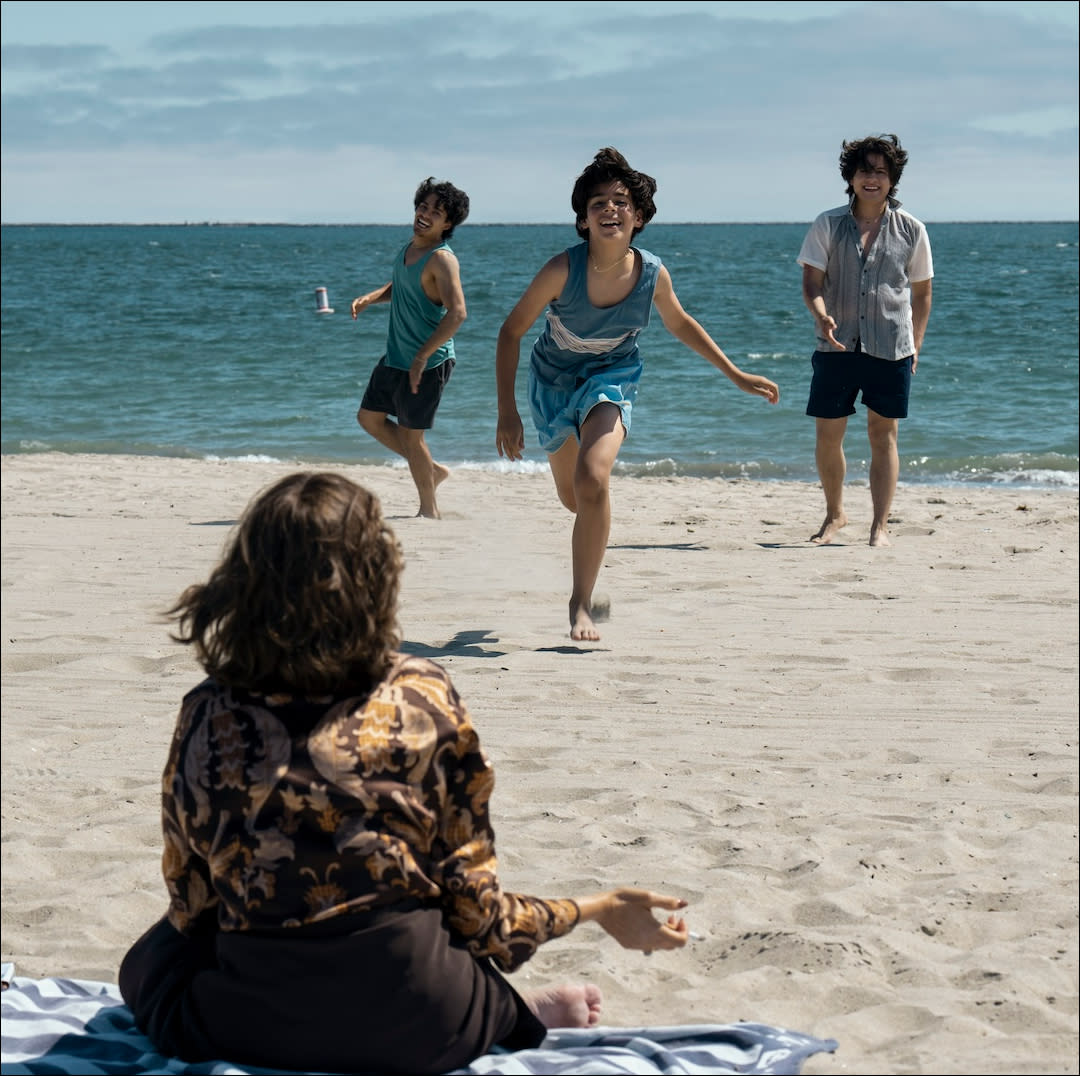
757	385
510	436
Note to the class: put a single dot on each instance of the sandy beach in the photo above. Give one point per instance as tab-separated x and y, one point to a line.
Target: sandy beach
858	765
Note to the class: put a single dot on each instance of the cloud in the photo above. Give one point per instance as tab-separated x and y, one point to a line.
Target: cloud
731	97
52	59
1038	123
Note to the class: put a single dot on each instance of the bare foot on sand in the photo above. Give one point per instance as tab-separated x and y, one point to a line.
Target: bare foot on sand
582	628
829	529
430	510
568	1005
879	536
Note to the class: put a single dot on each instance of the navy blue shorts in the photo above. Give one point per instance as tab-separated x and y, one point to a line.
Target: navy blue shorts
840	375
388	393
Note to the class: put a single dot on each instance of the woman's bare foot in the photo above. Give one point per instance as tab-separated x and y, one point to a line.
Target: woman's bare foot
829	529
568	1005
582	628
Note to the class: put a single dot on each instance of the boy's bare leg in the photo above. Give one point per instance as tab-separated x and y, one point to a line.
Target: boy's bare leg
563	464
422	467
392	436
884	472
601	438
832	470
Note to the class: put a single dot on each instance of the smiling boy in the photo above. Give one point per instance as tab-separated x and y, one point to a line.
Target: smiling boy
427	306
585	365
867	279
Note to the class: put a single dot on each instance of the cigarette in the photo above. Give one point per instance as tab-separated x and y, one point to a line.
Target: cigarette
693	935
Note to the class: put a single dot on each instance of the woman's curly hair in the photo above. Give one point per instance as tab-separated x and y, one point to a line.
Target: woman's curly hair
609	164
305	598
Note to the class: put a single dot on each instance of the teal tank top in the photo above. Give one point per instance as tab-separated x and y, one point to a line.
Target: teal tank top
413	316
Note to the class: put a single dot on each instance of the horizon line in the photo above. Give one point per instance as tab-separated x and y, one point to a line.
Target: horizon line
465	224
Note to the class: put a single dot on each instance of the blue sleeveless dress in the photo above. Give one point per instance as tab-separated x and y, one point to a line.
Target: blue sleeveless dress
587	354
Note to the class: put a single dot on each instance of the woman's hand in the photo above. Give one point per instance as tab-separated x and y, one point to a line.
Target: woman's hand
627	915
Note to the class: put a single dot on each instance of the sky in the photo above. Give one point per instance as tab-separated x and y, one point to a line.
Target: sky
332	113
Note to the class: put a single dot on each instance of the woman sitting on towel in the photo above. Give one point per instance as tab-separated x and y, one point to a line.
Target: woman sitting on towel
329	857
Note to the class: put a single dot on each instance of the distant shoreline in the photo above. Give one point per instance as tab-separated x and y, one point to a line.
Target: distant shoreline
463	227
664	471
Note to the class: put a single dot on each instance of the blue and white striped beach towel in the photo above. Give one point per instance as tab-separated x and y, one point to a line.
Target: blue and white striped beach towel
81	1027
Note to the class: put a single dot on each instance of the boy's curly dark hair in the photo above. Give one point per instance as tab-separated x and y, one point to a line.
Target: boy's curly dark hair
609	164
453	202
854	156
305	598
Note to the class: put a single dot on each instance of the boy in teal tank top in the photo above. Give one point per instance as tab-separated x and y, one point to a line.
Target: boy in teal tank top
585	366
427	306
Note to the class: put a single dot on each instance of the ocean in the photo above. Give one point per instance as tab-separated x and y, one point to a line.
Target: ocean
203	341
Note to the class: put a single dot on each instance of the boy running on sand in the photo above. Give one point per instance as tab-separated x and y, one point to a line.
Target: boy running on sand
427	306
585	365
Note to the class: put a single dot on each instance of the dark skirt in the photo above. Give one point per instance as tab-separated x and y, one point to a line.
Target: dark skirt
400	994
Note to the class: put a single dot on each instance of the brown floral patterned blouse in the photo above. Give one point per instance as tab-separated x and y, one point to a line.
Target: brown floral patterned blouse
282	812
